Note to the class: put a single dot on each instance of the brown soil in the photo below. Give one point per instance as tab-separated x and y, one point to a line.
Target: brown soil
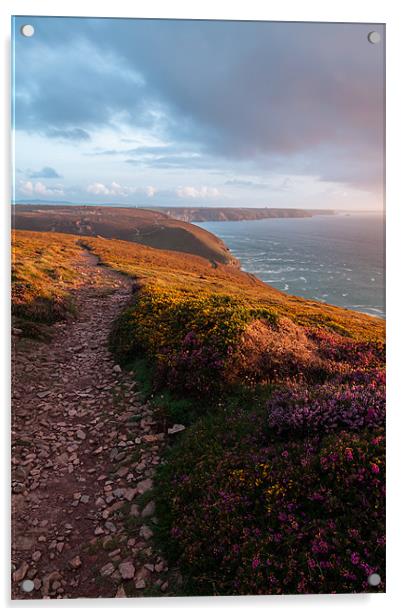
84	453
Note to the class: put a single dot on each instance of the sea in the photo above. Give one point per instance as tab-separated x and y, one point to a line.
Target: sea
337	259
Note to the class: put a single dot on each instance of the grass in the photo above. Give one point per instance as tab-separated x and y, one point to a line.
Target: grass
192	275
43	272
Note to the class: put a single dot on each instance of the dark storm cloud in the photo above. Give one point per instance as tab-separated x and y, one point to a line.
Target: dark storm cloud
45	172
273	93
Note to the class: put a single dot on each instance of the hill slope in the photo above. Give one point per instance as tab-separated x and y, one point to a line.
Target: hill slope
274	482
151	228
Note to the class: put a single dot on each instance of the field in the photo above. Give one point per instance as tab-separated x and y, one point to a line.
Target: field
277	483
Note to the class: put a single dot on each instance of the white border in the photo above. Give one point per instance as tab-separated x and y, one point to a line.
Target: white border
386	11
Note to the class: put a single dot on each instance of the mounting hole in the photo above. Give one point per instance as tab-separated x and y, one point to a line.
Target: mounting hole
374	579
27	586
27	30
374	37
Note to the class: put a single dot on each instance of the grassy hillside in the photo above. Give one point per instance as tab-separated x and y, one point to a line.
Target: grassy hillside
277	483
43	273
187	276
151	228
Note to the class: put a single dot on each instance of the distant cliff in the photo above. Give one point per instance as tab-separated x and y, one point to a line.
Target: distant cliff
205	214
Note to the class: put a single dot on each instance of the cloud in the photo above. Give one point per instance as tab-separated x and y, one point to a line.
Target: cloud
97	188
179	156
276	184
67	88
193	192
68	134
45	172
238	183
150	191
115	189
29	188
296	98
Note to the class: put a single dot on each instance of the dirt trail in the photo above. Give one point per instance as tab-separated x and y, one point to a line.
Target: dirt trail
83	459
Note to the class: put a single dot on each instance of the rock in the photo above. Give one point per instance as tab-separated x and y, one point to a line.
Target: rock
37	583
98	531
21	572
116	369
36	556
150	438
81	435
75	562
144	486
84	499
127	571
129	493
176	428
120	593
148	510
116	576
16	331
145	532
43	394
107	570
135	511
164	587
48	580
140	584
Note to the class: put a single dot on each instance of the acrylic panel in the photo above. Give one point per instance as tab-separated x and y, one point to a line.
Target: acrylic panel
198	315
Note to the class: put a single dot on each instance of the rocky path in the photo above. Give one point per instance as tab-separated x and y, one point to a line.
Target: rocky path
84	453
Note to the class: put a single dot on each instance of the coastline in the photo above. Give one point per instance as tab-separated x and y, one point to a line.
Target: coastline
323	273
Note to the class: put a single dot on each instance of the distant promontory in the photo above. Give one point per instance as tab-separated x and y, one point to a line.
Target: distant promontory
205	214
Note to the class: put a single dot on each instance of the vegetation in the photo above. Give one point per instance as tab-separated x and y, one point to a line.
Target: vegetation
43	273
265	492
277	484
245	513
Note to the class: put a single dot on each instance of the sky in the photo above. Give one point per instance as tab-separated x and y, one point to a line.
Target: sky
198	113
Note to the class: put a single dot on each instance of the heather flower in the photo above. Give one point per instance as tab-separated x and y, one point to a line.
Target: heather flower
255	562
349	454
